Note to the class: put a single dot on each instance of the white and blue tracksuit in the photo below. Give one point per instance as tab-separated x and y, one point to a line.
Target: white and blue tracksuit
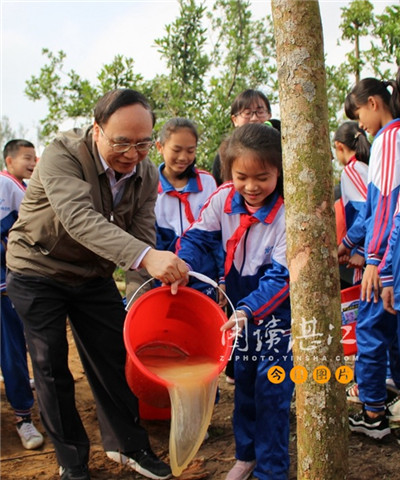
353	184
376	329
13	346
176	210
390	265
257	281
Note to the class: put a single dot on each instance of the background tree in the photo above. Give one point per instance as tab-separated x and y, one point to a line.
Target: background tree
244	50
70	97
386	52
322	424
375	51
183	87
357	20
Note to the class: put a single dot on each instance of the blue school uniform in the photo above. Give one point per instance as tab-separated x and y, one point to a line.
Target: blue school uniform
376	329
257	281
353	184
13	345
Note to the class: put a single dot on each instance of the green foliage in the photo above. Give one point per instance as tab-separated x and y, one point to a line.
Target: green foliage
183	49
380	59
201	84
357	20
71	97
244	49
386	52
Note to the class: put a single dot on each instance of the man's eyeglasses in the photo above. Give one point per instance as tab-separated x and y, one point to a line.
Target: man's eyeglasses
247	113
141	147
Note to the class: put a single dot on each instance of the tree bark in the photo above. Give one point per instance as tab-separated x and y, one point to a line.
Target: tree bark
322	422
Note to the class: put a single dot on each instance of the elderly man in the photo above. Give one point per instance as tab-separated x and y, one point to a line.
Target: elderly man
89	207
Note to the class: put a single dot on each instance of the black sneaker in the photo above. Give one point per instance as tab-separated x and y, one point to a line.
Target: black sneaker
80	472
372	427
144	462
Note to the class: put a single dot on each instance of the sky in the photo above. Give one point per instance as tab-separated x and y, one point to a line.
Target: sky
91	33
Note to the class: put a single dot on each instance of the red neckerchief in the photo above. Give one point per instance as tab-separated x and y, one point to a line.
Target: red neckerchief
245	222
183	197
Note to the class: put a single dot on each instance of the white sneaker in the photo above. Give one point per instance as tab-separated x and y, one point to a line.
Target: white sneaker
241	470
31	438
391	386
393	410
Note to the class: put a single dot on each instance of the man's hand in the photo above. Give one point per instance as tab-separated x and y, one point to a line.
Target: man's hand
166	267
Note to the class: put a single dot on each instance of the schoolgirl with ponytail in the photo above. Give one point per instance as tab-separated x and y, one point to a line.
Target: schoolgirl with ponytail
375	104
352	151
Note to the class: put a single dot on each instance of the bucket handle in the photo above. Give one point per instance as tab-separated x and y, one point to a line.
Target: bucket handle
202	278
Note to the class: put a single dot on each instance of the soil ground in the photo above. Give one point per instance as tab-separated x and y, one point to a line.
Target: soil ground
369	459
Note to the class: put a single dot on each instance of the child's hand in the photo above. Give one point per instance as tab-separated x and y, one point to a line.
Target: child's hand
388	299
343	254
222	301
236	322
356	261
370	283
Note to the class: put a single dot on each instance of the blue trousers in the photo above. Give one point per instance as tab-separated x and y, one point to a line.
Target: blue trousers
261	414
376	334
13	358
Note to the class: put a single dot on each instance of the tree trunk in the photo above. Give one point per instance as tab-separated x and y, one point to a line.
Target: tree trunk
322	423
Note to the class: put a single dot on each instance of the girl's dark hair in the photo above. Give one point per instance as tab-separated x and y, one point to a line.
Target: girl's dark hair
116	99
264	141
369	87
246	98
355	138
174	125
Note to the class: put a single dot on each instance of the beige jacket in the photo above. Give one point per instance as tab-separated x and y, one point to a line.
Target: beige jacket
67	227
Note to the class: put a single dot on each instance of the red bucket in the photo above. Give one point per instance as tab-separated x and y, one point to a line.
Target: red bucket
350	299
187	322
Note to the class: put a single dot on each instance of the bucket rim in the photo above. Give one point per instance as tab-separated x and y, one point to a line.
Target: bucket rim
228	348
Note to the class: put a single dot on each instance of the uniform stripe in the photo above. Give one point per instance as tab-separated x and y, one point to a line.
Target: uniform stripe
382	214
356	179
273	303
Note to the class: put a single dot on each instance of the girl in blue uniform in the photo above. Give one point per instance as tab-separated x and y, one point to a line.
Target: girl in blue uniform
352	151
246	216
377	110
182	191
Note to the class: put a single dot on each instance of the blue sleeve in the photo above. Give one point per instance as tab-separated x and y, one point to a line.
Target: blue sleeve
195	245
272	291
166	238
383	190
356	233
386	266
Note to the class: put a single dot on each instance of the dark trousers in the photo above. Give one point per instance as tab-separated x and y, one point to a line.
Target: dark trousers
96	315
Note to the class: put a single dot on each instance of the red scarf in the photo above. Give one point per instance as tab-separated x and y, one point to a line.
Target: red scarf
245	222
183	197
